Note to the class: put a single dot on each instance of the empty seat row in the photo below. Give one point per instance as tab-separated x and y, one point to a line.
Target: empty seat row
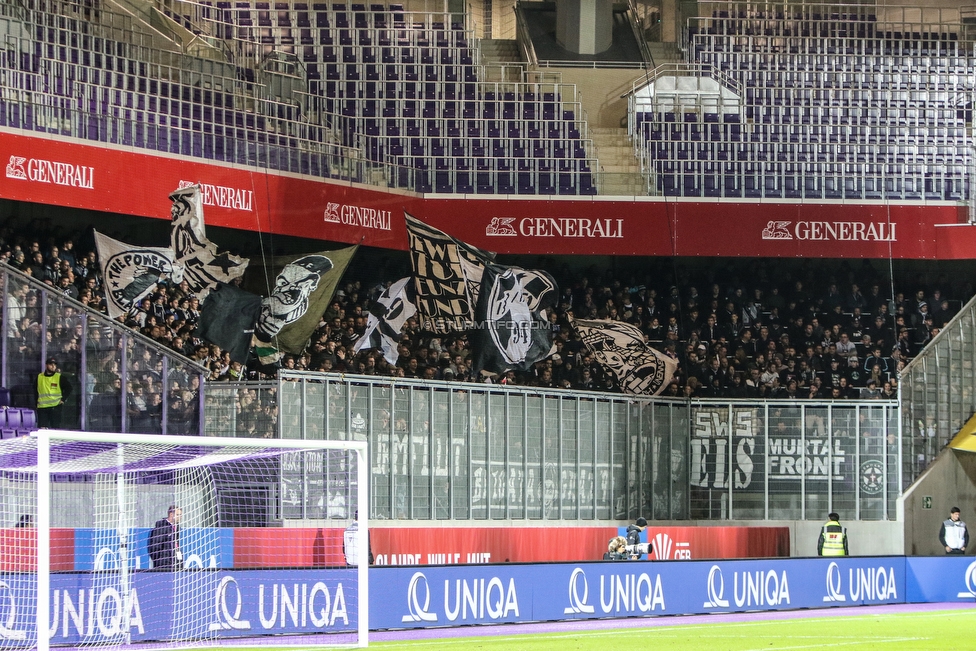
384	147
13	418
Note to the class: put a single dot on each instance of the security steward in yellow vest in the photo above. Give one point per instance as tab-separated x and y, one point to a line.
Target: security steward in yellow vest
52	390
833	538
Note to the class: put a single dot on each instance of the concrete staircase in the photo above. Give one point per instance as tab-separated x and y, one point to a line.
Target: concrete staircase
621	169
665	53
495	51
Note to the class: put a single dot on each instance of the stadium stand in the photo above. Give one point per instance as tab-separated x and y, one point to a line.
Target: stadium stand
816	102
370	94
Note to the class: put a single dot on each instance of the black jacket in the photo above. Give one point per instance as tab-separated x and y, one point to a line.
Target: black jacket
163	545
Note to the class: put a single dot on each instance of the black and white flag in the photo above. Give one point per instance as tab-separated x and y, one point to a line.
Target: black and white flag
512	329
203	267
303	287
387	314
447	276
132	273
227	319
620	349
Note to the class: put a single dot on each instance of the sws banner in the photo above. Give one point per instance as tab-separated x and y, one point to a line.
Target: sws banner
736	446
452	596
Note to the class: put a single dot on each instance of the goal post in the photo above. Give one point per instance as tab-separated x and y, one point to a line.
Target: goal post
116	539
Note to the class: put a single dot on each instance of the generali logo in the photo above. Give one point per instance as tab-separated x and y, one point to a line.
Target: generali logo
39	170
223	197
555	227
830	231
339	213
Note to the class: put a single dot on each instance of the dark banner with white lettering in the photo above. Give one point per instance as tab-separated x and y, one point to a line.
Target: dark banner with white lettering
733	445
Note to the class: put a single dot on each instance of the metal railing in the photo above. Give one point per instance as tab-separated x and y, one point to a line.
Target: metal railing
446	451
121	380
937	392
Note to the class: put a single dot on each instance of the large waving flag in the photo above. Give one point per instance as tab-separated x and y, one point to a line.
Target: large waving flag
512	328
387	314
302	291
447	276
620	349
203	267
132	273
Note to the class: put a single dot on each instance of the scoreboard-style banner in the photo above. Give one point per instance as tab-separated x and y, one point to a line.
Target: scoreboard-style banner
125	181
259	548
89	607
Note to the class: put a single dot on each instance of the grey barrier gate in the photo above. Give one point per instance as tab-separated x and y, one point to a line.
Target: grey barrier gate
444	451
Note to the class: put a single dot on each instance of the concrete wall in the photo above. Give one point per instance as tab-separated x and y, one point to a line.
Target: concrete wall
949	481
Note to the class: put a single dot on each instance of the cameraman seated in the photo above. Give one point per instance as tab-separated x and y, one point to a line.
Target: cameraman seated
617	550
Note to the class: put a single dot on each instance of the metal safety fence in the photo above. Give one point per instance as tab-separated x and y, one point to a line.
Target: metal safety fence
444	451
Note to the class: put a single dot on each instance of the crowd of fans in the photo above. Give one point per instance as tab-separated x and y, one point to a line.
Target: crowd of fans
798	335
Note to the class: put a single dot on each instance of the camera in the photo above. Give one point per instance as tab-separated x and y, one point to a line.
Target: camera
639	548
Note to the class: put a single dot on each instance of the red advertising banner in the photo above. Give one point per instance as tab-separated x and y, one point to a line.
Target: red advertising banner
125	181
438	546
257	548
18	550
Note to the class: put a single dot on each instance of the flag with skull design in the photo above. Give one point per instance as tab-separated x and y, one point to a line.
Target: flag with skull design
303	288
621	350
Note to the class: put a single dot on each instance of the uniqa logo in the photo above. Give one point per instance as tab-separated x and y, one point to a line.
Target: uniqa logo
107	612
418	612
7	630
716	589
872	584
835	583
631	593
225	619
970	579
761	588
483	597
578	604
299	605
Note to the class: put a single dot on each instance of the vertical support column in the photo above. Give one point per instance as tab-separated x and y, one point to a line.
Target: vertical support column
5	311
670	21
857	462
803	463
584	26
766	461
164	422
124	375
42	299
83	375
729	472
362	551
43	539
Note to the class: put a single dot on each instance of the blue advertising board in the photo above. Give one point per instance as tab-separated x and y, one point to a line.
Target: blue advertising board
90	607
203	547
456	595
940	579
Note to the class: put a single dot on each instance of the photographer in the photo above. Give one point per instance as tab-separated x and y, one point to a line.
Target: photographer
637	550
617	550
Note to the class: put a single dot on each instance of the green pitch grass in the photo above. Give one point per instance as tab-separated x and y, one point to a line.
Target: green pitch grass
940	630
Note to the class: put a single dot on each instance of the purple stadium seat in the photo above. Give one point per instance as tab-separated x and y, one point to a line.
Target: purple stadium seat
14	418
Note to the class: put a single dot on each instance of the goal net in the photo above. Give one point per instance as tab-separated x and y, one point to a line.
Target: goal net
115	539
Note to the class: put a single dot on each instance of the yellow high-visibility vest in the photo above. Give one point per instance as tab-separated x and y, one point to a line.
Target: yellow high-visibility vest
48	390
834	540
